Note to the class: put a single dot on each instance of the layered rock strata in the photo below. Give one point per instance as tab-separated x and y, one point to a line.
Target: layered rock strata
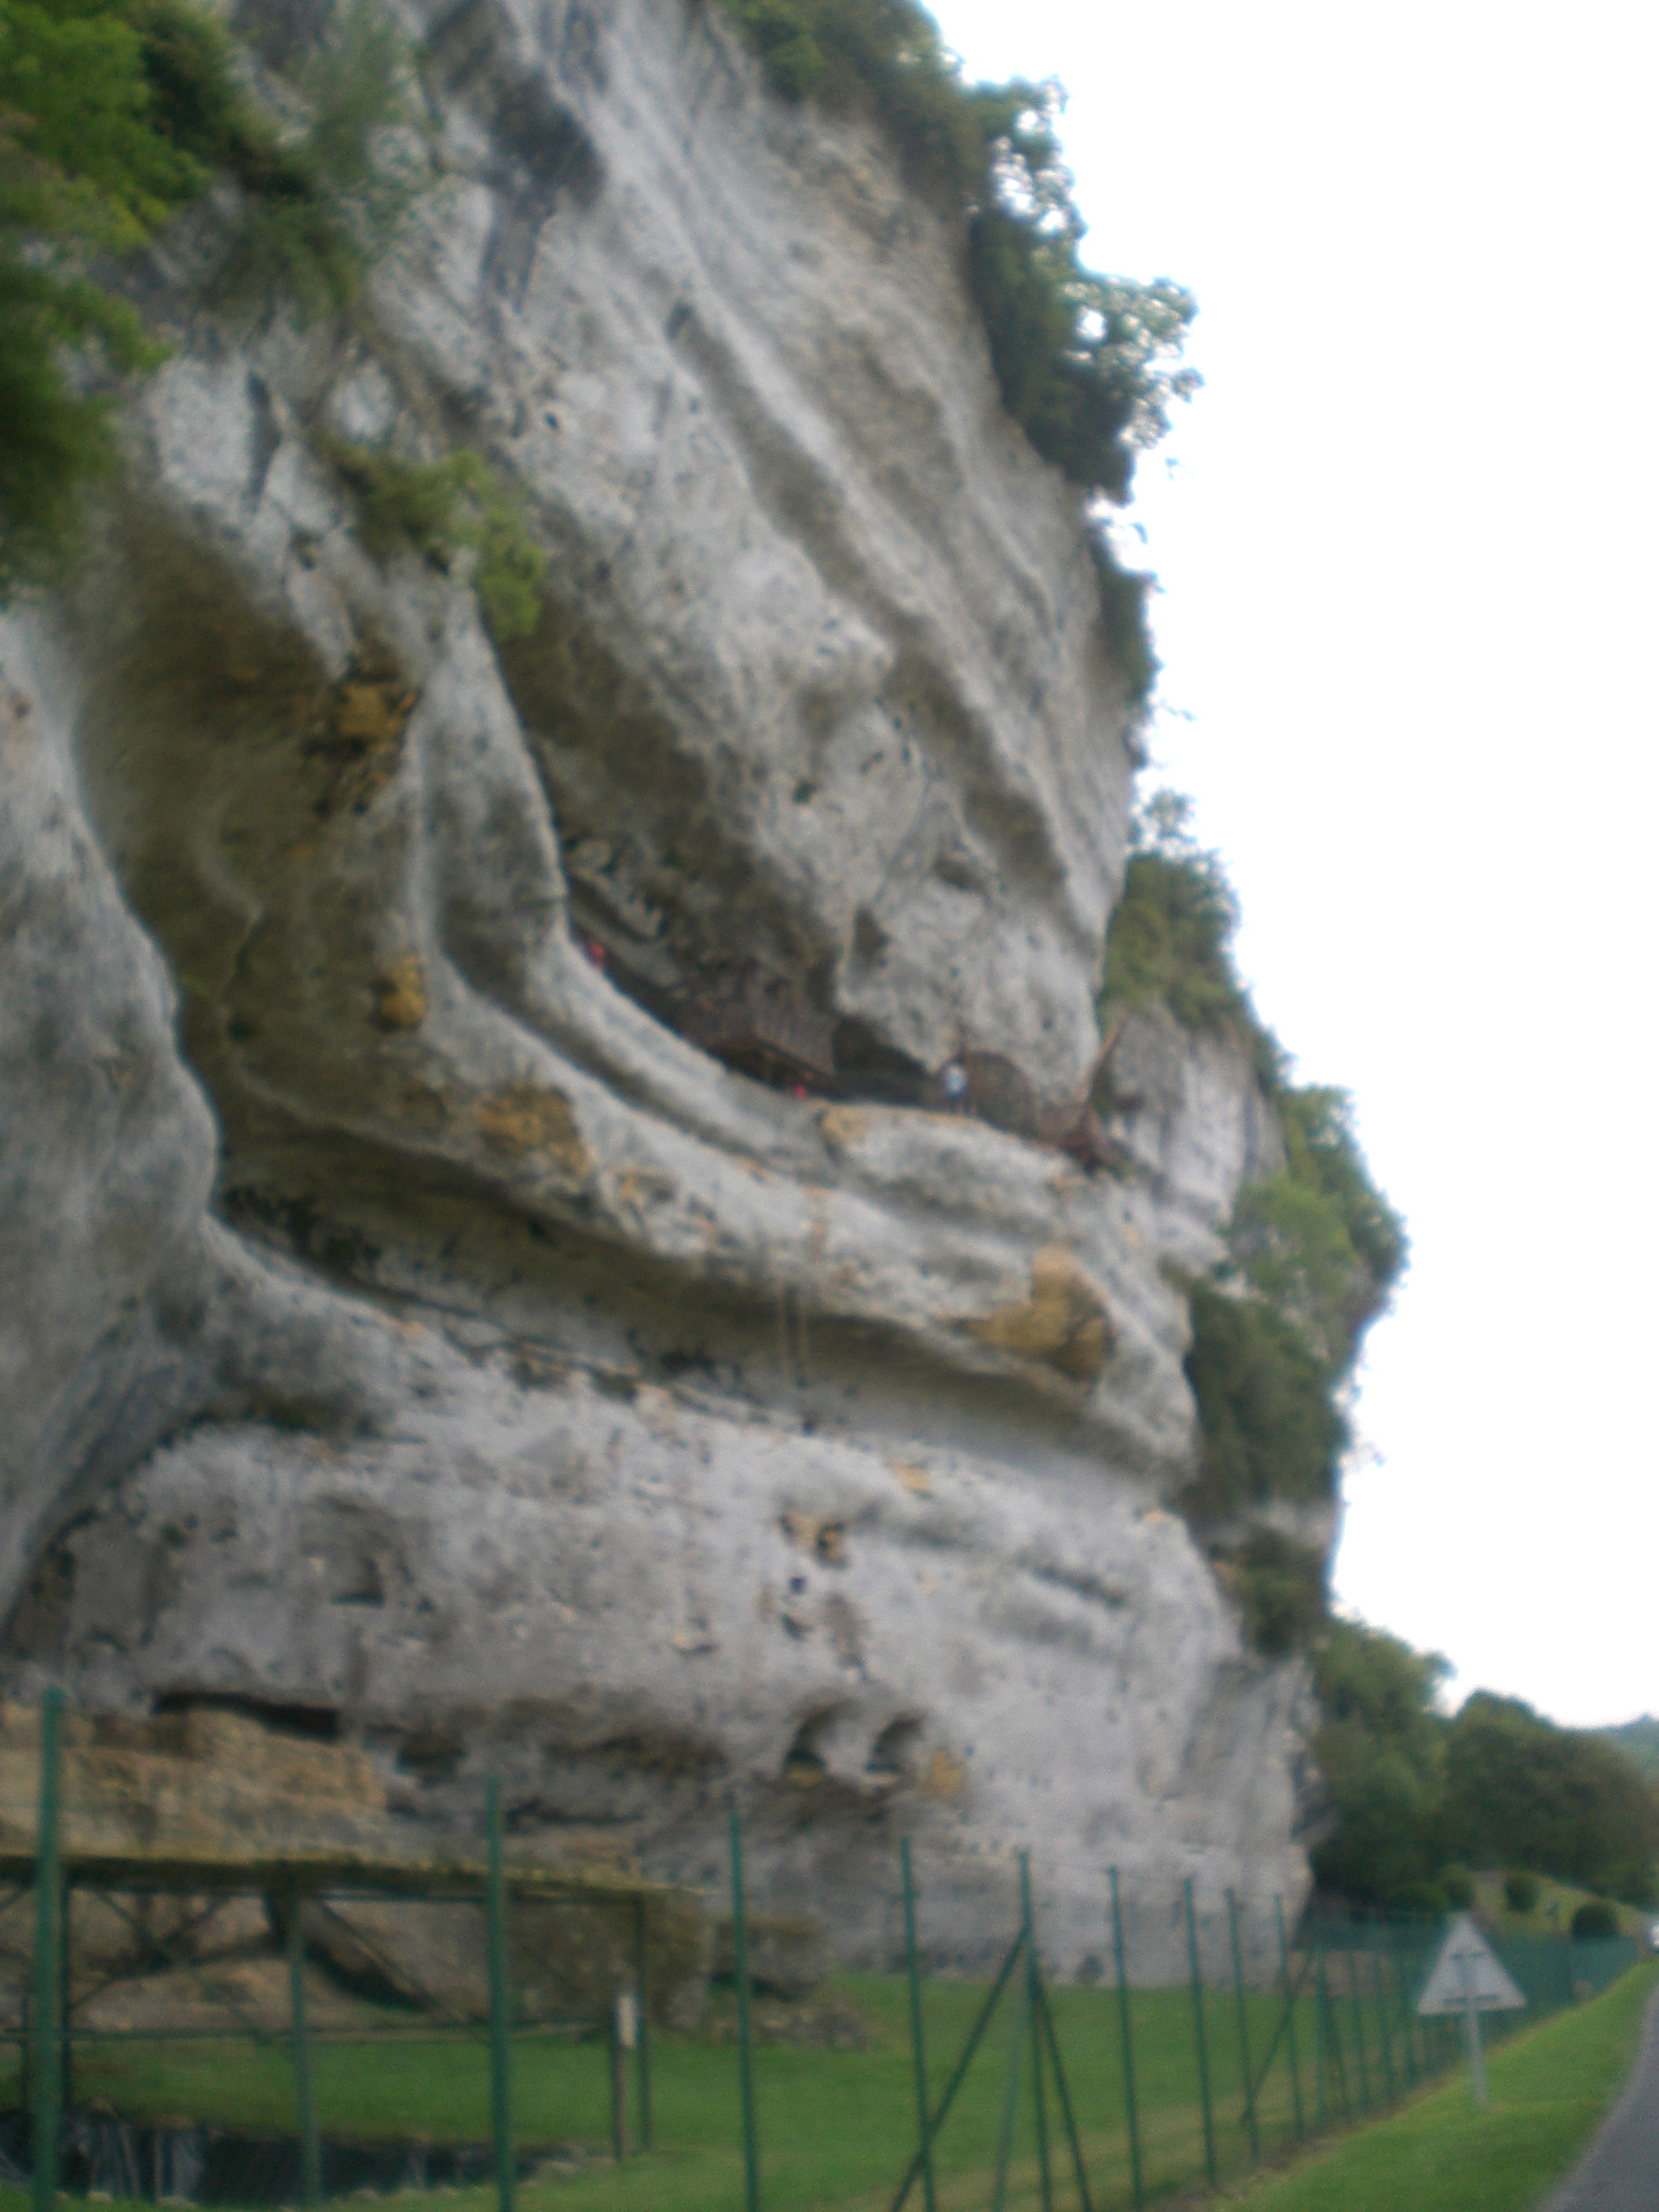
406	1318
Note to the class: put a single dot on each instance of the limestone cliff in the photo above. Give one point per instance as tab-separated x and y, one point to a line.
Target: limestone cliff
413	1315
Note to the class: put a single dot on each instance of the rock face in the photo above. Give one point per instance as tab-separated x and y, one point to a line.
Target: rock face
406	1318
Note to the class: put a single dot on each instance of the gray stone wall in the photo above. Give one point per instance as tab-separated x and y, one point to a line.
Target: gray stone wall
401	1320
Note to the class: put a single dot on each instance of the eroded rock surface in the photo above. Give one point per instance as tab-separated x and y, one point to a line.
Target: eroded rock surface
405	1316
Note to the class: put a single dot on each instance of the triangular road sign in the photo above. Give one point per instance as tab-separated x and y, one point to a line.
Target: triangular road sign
1468	1973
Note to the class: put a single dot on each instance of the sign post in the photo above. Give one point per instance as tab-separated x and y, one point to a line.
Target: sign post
1469	1979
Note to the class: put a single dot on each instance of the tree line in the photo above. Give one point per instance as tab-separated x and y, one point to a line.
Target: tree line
1414	1796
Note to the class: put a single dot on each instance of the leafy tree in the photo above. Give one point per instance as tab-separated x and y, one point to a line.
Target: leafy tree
1382	1752
1561	1801
97	146
1456	1886
1497	1785
114	114
1171	937
1280	1588
1269	1424
323	204
1639	1741
1324	1155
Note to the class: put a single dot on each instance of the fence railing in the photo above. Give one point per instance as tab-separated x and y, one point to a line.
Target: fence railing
1011	2089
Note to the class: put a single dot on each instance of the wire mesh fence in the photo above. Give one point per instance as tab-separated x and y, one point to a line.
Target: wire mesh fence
297	2061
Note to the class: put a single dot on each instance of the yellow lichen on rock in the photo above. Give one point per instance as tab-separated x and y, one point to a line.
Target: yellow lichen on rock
945	1775
1063	1322
360	737
826	1539
400	994
532	1117
203	1783
843	1126
914	1478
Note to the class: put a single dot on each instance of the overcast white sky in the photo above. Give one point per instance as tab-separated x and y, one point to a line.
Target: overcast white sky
1408	539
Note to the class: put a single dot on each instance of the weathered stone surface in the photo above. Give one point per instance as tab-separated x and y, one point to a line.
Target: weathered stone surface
567	1961
204	1784
787	1954
404	1322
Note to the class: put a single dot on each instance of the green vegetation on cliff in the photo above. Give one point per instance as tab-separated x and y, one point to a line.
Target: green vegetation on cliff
113	115
93	155
1313	1248
443	509
1087	365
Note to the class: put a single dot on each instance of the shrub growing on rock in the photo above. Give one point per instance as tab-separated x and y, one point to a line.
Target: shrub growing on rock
1086	364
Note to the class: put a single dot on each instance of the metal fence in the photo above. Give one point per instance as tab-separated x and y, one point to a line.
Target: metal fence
995	2092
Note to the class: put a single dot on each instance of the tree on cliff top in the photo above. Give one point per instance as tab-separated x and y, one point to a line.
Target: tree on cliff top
1087	365
113	115
91	160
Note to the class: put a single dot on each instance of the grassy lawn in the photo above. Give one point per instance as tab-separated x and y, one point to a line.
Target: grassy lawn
1553	1914
838	2127
1549	2089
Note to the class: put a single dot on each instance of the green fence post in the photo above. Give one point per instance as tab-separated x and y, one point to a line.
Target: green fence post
1357	2009
1290	2020
1322	2056
1333	2033
65	1991
1033	2004
1016	2042
305	2101
752	2195
642	2028
959	2072
1402	1998
1199	2040
1062	2090
918	2030
617	2046
501	2048
1407	1960
1382	2026
1249	2115
1125	2036
48	2079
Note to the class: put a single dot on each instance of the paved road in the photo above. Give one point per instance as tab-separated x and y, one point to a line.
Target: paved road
1619	2172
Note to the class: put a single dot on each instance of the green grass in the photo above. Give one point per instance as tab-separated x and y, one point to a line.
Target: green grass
1556	1902
1550	2086
837	2127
